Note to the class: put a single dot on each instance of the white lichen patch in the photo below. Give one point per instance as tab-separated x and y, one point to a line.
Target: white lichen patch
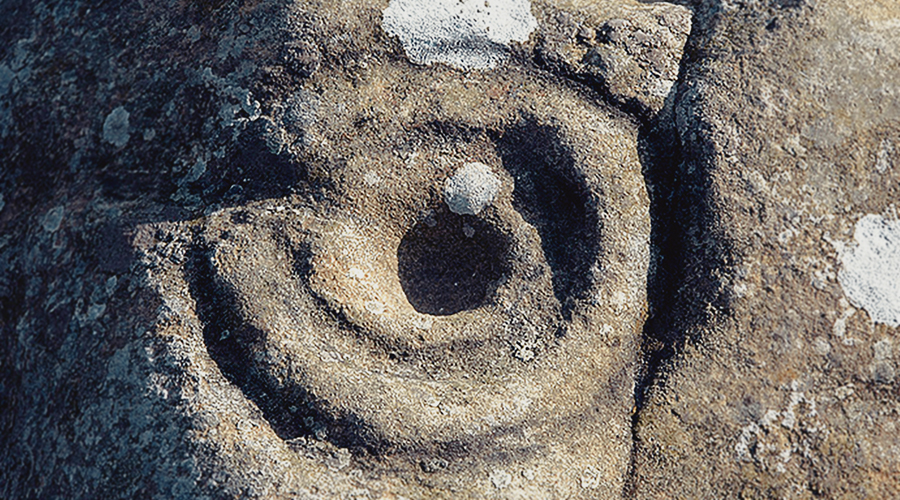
768	443
466	34
871	269
471	189
500	479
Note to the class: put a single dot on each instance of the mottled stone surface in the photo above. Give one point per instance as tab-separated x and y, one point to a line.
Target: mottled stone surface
228	268
628	52
784	385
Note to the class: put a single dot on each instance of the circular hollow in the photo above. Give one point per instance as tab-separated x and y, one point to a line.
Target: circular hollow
369	336
450	263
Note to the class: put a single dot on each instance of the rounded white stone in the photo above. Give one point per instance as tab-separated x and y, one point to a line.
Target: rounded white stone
472	188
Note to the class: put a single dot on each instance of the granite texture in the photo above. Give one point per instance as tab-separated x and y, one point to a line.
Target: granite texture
228	266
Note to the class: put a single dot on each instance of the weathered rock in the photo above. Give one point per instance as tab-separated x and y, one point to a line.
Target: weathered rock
228	267
235	273
784	386
629	51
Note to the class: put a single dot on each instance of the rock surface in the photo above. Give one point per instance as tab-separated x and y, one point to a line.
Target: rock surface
228	268
784	387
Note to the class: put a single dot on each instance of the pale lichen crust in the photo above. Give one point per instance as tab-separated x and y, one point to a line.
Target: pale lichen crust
871	269
466	34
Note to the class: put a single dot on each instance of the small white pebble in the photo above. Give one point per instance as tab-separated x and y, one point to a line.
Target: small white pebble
471	189
469	231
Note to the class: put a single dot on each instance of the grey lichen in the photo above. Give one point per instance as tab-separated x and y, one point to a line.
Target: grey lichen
116	129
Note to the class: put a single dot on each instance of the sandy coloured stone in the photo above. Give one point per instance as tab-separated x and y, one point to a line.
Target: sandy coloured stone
228	268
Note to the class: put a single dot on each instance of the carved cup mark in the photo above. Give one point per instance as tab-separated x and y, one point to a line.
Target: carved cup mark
451	263
346	335
327	314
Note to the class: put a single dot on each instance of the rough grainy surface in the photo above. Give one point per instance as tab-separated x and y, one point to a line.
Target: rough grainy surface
785	387
228	267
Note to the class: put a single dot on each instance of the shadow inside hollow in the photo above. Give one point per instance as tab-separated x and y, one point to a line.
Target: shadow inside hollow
451	263
553	196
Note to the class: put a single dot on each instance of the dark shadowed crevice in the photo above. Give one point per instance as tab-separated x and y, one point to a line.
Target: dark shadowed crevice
662	338
552	196
690	259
